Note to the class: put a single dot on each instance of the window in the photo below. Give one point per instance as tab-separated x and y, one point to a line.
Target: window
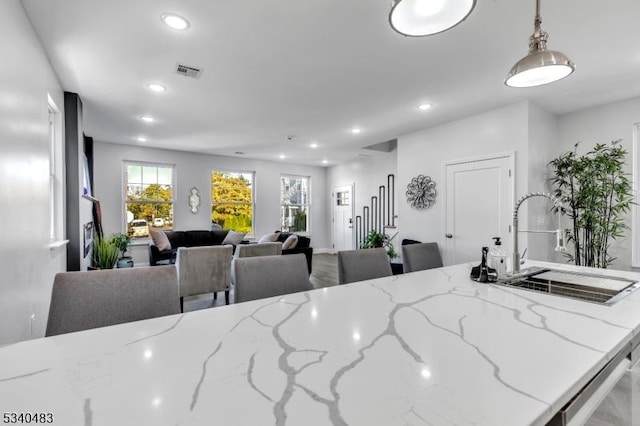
294	203
232	200
342	198
149	198
56	182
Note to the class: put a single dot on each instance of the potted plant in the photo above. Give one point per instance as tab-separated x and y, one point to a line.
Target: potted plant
376	239
105	253
122	241
597	195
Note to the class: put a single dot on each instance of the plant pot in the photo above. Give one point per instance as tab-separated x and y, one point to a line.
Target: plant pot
125	262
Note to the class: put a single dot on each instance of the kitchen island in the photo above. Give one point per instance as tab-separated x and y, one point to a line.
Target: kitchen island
429	347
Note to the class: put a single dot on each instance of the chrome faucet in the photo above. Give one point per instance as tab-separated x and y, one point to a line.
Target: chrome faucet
560	246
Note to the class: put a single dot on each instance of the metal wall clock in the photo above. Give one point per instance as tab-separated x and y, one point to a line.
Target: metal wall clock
421	192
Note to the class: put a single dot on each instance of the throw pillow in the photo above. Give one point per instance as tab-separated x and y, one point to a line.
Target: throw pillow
290	242
268	238
233	238
160	240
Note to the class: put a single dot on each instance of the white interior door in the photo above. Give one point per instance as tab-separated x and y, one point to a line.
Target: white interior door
342	197
479	205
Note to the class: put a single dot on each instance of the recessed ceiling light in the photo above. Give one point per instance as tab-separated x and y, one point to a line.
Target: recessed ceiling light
356	130
314	145
141	139
282	157
156	87
325	161
424	107
174	21
147	118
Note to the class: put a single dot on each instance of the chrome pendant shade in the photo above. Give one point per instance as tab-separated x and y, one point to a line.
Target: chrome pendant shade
418	18
540	66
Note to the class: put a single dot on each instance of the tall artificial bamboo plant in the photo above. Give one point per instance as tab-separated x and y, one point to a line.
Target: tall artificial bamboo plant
597	195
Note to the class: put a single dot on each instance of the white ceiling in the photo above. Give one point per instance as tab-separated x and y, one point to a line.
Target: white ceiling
315	69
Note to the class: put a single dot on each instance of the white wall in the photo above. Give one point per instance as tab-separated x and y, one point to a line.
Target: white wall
603	124
542	137
194	170
28	265
366	175
499	131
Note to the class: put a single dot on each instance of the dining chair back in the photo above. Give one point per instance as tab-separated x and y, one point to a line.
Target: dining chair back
418	257
204	269
267	276
84	300
363	264
259	249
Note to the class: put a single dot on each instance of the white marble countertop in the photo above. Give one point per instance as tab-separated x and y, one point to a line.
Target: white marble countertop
431	347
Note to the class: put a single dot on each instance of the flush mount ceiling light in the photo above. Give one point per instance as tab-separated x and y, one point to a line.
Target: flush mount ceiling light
155	87
418	18
174	21
540	66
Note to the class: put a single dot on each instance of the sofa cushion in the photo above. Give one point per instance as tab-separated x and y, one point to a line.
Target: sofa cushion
176	238
204	238
303	242
269	238
161	240
290	242
234	238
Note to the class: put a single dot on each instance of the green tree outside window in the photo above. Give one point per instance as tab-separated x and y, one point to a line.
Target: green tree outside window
232	200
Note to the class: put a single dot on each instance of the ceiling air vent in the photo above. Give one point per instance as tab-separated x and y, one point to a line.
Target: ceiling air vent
188	71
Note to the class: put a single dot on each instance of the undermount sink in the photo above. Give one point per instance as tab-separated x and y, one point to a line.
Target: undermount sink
601	289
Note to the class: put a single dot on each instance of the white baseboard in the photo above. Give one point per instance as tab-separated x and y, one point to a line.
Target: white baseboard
323	251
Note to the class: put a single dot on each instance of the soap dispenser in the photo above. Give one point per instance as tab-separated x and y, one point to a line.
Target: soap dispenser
498	257
482	273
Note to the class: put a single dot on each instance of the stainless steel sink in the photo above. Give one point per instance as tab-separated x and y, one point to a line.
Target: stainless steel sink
601	289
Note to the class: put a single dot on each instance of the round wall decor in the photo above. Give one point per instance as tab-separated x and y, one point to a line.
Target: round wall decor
421	192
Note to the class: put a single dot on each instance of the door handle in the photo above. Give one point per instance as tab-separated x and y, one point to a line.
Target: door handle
448	235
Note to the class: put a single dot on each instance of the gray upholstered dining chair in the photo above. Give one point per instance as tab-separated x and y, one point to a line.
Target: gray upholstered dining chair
363	264
260	249
418	257
267	276
255	250
204	269
90	299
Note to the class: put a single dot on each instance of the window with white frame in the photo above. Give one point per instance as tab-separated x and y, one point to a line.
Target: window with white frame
232	205
294	203
148	198
56	180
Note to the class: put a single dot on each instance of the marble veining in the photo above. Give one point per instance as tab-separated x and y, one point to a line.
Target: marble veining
196	392
21	376
142	339
426	348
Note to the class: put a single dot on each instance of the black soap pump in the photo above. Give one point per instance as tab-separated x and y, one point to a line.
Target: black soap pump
482	273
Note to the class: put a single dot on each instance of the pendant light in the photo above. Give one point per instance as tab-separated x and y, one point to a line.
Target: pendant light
540	66
426	17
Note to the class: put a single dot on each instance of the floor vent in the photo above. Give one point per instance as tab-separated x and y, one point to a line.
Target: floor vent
188	71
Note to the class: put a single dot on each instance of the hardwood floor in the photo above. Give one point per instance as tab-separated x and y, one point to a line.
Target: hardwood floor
325	270
325	274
